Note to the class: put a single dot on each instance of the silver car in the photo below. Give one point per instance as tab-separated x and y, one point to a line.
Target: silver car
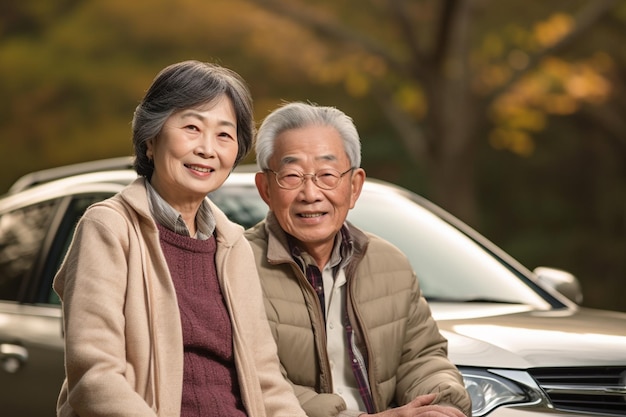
522	342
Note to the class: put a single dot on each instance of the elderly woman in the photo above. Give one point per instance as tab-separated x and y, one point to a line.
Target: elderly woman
163	312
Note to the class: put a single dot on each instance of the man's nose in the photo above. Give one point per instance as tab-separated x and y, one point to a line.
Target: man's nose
310	190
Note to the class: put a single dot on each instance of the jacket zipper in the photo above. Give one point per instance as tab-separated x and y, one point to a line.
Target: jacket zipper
326	385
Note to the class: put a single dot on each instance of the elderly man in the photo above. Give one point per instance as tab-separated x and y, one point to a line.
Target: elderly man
355	335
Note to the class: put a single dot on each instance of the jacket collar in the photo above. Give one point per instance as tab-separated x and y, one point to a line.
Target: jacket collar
136	196
278	250
168	216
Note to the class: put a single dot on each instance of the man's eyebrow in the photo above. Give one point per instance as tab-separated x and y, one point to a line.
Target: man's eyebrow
329	157
289	160
292	159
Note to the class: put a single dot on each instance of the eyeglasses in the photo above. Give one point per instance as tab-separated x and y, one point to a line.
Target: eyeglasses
326	179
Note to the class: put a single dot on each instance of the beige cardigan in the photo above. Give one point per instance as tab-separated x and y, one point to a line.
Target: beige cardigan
123	336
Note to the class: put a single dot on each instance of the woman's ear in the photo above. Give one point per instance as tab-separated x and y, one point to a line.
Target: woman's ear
150	149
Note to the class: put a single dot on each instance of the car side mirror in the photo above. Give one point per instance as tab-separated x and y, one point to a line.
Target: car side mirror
562	281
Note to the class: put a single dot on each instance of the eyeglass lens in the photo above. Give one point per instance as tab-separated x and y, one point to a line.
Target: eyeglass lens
325	178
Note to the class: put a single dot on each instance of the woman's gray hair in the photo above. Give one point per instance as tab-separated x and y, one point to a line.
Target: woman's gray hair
185	85
298	115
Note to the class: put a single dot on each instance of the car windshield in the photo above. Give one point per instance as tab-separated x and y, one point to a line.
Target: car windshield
450	265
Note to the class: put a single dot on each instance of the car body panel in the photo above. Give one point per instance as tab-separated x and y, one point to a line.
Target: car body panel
34	387
533	338
498	316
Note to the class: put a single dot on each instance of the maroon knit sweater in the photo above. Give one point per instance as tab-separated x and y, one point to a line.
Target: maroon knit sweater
210	384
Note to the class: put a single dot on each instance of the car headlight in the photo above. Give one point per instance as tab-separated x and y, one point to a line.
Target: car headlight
491	388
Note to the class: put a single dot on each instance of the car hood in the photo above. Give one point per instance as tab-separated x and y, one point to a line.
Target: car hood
516	336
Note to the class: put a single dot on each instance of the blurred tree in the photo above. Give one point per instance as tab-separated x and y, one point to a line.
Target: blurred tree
72	72
441	71
565	205
516	104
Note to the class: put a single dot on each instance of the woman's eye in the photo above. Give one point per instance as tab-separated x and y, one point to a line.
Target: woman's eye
228	136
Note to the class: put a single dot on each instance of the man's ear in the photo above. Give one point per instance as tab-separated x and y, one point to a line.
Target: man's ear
260	179
357	181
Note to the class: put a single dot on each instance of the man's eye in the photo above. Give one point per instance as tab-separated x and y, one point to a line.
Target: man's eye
326	174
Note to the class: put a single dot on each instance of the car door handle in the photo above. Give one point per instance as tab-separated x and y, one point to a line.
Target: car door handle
12	357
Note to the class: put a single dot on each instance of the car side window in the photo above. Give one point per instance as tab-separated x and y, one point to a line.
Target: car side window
62	241
241	205
22	233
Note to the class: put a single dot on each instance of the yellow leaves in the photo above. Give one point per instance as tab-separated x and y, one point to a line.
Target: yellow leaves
510	50
355	82
516	141
411	99
361	70
491	77
357	85
562	86
514	127
560	104
554	29
518	59
492	46
519	117
356	71
557	87
374	66
575	84
588	85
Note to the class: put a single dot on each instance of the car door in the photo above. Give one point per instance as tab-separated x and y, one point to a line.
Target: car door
33	241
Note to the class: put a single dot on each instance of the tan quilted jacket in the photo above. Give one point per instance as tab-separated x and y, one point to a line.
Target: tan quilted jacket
407	356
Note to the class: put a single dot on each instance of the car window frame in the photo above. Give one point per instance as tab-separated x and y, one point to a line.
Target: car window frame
37	284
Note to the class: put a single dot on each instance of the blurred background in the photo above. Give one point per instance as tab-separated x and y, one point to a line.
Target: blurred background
509	114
